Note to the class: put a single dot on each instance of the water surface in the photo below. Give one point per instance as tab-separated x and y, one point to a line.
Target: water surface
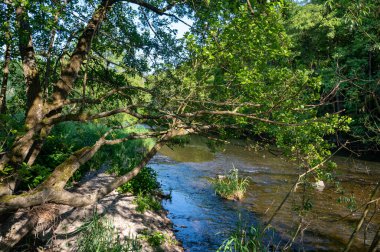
202	220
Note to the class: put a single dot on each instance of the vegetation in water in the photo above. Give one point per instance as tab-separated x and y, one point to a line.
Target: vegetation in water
109	82
230	186
244	239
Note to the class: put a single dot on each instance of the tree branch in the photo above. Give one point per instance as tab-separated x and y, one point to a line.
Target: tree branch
70	72
31	74
52	189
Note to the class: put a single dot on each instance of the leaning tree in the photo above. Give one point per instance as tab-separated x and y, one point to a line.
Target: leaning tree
78	61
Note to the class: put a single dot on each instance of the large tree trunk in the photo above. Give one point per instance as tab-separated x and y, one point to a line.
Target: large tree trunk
52	190
33	86
37	110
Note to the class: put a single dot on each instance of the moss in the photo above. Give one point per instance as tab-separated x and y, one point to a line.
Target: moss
8	198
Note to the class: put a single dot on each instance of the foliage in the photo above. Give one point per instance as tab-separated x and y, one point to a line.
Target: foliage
243	239
34	175
146	202
244	63
349	201
338	41
99	235
155	238
231	186
145	182
10	128
98	73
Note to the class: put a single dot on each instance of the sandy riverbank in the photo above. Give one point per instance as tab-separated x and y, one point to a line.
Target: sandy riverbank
120	211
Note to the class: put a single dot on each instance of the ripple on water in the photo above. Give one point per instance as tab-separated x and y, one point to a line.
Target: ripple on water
203	219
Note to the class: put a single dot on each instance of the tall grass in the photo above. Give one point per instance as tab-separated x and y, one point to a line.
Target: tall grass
244	239
231	186
99	235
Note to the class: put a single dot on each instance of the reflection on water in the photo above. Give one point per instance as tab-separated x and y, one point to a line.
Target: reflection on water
203	220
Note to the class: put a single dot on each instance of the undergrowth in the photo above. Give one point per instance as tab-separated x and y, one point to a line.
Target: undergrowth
99	235
67	137
146	202
145	182
154	238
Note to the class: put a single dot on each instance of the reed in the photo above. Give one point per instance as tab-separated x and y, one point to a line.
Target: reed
231	186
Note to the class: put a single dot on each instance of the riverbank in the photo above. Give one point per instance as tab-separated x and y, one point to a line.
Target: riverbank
151	230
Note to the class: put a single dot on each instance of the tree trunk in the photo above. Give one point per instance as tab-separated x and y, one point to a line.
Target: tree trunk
37	111
70	72
7	61
31	74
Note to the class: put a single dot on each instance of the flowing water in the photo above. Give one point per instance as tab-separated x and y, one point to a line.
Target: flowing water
202	220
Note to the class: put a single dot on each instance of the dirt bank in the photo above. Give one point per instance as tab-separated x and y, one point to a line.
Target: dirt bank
120	211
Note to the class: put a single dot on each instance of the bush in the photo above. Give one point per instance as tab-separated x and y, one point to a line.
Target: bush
147	202
231	186
145	182
154	238
99	235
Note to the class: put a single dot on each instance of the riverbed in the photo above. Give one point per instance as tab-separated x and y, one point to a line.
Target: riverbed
202	220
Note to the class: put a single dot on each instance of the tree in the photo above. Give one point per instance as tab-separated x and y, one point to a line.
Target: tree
80	63
7	59
339	41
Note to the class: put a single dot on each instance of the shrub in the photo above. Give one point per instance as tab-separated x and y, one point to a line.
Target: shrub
154	238
147	202
145	182
230	186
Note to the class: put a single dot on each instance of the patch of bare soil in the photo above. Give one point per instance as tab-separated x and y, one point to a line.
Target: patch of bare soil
117	208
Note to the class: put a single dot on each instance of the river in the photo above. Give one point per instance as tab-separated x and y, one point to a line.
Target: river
202	220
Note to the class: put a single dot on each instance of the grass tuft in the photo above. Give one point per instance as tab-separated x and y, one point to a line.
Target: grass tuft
100	235
231	187
243	239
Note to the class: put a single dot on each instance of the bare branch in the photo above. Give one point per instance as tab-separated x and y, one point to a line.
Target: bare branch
360	223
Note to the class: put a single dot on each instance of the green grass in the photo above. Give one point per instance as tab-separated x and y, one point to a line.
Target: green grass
154	238
243	239
67	137
146	202
231	186
99	235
